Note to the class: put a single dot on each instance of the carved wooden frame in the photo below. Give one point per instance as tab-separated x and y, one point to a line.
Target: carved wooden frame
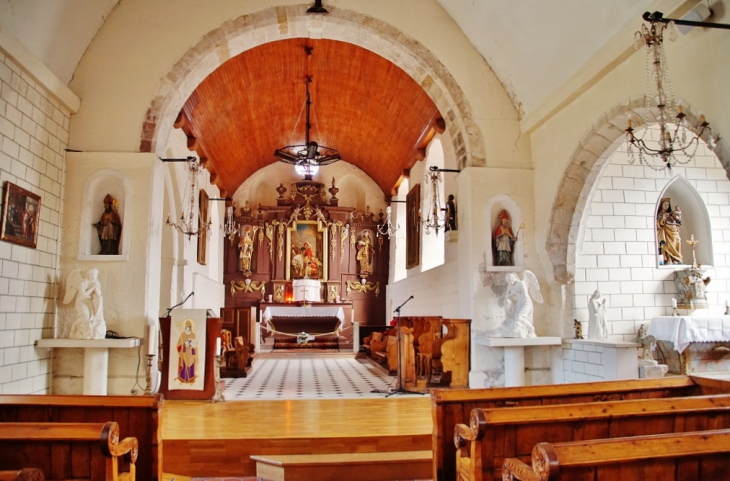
413	227
308	228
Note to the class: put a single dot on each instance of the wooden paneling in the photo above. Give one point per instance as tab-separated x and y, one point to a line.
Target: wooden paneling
366	107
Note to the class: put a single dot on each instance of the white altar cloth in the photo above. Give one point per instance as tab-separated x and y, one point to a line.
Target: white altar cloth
684	330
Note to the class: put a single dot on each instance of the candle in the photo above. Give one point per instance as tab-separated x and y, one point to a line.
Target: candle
151	339
674	303
217	346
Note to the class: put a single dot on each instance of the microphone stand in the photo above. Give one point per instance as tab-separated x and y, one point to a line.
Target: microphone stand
169	310
400	389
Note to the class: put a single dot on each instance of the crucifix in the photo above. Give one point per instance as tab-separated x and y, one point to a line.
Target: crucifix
693	243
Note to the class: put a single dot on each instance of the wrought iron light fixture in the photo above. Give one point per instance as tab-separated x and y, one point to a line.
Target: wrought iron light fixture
307	158
187	224
317	8
682	137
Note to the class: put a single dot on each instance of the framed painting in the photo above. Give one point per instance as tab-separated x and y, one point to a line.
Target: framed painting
413	227
202	221
21	212
306	247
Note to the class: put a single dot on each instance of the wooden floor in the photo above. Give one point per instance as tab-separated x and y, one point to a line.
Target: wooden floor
216	439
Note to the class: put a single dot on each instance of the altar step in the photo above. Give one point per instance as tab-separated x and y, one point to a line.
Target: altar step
351	466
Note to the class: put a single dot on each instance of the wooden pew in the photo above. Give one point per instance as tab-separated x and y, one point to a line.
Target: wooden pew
137	416
27	474
496	434
77	451
450	407
664	457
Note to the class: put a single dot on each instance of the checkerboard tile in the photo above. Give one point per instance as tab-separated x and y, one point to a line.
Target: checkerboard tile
309	377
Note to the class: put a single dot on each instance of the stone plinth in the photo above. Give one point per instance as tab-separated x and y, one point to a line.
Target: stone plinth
514	354
590	360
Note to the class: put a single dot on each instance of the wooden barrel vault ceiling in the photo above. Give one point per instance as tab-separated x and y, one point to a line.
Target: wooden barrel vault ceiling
366	107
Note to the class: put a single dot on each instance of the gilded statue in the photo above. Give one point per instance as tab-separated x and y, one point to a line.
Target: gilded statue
668	221
246	246
365	253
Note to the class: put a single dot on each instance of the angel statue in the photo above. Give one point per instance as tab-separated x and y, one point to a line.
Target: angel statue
89	322
518	305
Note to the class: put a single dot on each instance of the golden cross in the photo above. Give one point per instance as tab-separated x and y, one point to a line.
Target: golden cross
693	243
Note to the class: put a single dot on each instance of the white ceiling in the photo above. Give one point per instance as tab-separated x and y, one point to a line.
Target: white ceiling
532	45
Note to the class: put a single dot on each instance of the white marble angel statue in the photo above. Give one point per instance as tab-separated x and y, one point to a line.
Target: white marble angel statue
89	322
518	305
597	328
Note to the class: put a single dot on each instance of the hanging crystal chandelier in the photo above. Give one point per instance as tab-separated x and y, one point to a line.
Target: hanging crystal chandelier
434	220
387	229
679	138
187	223
230	226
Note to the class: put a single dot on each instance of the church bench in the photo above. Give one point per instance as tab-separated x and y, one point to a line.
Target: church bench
137	416
496	434
663	457
349	466
450	407
27	474
69	451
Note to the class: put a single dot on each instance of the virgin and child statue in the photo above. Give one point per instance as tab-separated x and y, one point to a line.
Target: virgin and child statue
669	242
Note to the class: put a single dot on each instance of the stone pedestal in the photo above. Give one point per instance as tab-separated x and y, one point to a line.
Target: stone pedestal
651	369
590	360
96	358
514	354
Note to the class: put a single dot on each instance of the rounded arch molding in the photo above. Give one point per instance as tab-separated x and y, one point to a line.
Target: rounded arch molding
284	22
580	176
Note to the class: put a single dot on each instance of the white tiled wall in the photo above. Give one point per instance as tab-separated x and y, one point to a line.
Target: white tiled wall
33	136
616	252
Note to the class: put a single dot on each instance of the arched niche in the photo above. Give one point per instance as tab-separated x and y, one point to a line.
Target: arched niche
492	210
695	221
96	187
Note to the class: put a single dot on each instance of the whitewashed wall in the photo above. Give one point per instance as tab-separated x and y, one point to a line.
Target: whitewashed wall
33	133
617	251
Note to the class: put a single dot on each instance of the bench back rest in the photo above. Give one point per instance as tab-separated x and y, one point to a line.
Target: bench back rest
676	456
452	407
137	416
513	433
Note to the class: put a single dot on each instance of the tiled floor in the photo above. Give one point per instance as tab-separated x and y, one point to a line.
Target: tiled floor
309	376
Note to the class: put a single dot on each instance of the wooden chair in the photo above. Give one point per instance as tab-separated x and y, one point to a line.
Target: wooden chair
664	457
27	474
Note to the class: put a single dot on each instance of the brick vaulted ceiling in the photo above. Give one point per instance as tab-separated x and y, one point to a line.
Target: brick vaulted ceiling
366	107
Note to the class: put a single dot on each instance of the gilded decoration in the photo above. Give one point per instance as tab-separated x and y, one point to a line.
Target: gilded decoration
308	192
380	243
270	236
306	251
333	241
363	287
261	235
279	293
248	286
344	233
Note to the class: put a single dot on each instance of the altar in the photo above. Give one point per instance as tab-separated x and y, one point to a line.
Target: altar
284	323
693	344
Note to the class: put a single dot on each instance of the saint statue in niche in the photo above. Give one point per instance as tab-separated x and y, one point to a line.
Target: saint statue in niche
504	241
450	214
669	242
109	228
246	245
365	253
187	349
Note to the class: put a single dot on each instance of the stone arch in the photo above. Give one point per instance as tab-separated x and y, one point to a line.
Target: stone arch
580	177
284	22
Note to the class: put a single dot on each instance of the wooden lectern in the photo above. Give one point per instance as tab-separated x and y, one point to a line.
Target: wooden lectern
213	332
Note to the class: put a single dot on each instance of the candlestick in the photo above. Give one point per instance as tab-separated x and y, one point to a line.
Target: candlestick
217	346
218	396
727	308
151	335
674	303
675	313
148	375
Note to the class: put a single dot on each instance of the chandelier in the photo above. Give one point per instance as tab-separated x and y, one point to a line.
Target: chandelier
387	229
187	222
434	220
308	157
681	137
230	226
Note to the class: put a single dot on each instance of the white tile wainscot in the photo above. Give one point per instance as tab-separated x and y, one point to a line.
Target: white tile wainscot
514	354
96	358
588	360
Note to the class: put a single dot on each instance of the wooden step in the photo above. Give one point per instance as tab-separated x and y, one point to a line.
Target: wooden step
350	466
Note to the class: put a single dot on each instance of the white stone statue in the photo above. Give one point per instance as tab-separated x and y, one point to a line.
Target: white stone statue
518	305
89	322
597	328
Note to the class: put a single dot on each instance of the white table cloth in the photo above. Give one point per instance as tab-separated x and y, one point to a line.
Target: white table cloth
297	311
684	330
